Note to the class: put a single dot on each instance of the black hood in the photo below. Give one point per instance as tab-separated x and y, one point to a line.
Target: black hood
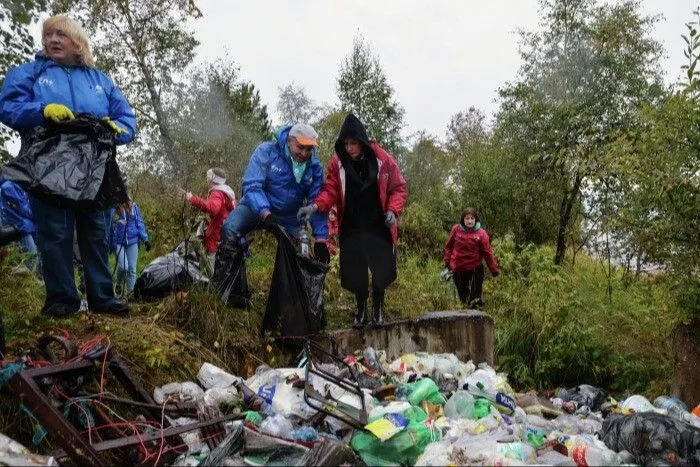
352	128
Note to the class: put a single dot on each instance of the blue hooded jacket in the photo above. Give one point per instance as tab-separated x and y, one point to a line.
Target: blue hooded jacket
269	184
30	87
15	209
128	228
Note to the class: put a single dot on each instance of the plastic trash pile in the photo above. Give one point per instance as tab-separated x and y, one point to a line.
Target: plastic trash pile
432	409
420	409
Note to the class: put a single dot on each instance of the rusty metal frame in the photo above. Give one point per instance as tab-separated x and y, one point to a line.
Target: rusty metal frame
27	386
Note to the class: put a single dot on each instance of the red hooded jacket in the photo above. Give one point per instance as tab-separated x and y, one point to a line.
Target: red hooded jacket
220	202
390	182
466	249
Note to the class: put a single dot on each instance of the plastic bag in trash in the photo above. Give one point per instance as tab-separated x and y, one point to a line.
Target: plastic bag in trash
460	405
180	392
230	278
279	426
211	376
652	438
165	275
215	397
585	394
295	300
71	163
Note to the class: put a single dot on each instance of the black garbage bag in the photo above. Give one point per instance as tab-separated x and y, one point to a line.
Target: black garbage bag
295	301
652	438
230	278
70	164
585	394
167	274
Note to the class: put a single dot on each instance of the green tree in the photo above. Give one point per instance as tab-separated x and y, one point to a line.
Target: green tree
144	45
582	78
17	45
363	89
327	125
294	106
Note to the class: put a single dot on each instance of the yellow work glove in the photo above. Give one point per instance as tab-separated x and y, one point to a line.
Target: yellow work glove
115	128
58	112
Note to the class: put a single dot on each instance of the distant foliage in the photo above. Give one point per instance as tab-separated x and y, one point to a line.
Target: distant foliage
364	89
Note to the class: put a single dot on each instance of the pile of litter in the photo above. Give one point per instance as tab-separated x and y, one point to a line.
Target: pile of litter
419	409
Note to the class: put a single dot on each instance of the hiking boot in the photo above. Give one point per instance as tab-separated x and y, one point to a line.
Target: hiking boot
360	314
118	308
59	310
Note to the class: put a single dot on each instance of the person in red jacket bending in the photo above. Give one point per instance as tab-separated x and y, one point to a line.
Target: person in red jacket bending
220	202
466	249
366	186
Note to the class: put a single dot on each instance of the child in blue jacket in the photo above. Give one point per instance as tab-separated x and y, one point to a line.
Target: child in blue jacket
128	230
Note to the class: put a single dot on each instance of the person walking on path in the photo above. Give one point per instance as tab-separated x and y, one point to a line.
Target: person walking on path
465	251
60	83
129	230
369	192
220	201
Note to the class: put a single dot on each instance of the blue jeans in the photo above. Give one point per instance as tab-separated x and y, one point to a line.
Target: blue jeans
127	257
243	220
55	230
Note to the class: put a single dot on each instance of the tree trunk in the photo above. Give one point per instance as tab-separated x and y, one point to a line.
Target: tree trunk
567	206
686	361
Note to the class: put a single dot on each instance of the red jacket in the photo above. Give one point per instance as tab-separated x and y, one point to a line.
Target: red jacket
466	249
218	205
390	182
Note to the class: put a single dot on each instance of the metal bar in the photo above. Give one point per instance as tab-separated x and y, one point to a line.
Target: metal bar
61	368
68	437
166	433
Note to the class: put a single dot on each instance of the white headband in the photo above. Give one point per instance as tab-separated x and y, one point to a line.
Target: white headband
215	178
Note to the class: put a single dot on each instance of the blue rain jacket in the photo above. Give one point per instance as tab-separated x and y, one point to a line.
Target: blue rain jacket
15	209
269	184
128	228
30	87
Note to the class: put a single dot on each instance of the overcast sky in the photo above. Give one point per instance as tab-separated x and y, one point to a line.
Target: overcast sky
440	56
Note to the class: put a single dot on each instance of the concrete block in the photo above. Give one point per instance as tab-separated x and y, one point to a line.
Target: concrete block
467	333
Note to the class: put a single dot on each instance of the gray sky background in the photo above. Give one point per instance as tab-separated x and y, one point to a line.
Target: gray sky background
440	56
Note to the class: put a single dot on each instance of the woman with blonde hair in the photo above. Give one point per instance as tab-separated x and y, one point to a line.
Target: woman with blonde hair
60	83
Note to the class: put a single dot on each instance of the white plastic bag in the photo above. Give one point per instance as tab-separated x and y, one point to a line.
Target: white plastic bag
279	426
212	376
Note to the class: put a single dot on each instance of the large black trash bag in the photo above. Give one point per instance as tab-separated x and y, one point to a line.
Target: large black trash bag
295	301
174	272
652	438
584	394
230	278
70	164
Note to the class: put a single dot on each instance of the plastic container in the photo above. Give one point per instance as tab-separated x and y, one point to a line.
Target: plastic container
304	241
503	402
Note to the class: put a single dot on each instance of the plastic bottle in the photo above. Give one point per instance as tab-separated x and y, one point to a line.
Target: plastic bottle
503	402
252	399
584	455
676	409
304	239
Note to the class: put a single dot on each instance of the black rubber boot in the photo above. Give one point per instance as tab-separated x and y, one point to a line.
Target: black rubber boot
9	234
377	308
360	313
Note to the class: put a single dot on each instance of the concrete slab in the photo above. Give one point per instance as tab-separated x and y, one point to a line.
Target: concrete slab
466	333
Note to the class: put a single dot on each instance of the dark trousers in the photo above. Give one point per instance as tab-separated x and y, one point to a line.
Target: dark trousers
56	228
469	285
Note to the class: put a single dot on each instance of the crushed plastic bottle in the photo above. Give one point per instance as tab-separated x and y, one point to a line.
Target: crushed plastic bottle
304	240
676	409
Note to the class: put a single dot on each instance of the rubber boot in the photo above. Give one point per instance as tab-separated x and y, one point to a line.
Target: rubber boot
360	313
377	308
9	234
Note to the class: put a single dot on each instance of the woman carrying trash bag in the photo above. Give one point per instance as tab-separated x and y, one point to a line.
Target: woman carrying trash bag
366	186
60	83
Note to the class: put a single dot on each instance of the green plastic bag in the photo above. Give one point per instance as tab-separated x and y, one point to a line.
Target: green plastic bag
421	390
